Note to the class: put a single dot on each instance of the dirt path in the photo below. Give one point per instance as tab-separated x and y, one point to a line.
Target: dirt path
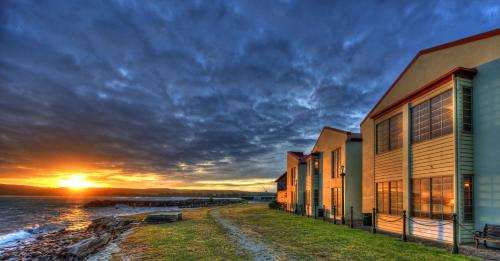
260	250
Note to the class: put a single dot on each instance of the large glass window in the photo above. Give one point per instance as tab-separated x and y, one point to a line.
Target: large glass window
432	118
421	193
390	134
396	197
336	161
467	190
467	110
383	198
316	198
440	191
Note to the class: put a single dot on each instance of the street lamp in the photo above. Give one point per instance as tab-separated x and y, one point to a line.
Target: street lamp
342	174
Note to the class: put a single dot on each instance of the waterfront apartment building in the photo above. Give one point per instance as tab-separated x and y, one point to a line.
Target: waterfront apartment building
281	189
339	154
431	143
296	169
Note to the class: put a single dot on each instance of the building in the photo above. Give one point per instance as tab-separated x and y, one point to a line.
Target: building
281	192
339	152
430	144
314	174
296	169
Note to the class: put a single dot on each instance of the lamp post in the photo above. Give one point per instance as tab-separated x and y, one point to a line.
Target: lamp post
342	174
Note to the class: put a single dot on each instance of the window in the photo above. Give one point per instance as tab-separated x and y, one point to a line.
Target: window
336	161
292	182
440	191
383	137
396	197
396	132
421	197
420	122
467	190
390	197
316	166
441	115
432	118
316	197
467	110
336	198
383	197
390	134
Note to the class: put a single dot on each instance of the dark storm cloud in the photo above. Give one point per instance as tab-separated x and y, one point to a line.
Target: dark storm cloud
220	86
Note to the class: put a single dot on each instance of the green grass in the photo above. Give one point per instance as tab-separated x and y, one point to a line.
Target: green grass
310	239
200	238
195	238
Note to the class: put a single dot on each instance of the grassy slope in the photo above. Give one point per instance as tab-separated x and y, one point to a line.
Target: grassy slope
311	239
195	238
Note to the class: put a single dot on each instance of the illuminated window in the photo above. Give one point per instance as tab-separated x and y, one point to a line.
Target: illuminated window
316	166
468	199
433	197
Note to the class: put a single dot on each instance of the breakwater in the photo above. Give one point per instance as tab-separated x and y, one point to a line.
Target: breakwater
181	203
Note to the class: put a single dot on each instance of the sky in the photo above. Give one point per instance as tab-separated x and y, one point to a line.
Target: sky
199	94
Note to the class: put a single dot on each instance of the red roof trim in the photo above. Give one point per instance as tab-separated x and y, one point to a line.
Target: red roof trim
439	81
469	39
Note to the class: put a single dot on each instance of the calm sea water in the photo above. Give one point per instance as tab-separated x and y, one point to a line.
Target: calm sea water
22	218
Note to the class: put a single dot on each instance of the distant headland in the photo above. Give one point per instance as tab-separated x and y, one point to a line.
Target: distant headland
23	190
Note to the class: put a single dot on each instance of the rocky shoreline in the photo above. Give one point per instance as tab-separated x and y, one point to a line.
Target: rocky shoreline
71	244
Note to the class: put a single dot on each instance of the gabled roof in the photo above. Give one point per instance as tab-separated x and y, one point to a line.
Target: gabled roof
352	135
281	177
298	155
428	51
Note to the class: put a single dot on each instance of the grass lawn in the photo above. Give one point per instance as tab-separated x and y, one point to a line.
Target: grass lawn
311	239
196	238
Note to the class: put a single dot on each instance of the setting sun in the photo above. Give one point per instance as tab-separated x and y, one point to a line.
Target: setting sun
76	181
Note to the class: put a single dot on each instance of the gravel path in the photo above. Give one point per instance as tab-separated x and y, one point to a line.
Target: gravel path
260	250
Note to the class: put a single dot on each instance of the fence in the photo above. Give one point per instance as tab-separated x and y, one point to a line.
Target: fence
448	228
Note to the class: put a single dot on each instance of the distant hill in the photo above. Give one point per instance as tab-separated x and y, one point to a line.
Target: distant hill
22	190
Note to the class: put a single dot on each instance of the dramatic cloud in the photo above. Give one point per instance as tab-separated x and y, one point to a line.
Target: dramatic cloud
204	93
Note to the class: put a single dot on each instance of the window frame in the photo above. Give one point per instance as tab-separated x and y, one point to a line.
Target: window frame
384	129
435	113
437	196
468	196
336	162
470	115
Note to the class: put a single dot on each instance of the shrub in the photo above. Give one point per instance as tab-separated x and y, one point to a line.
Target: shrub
274	204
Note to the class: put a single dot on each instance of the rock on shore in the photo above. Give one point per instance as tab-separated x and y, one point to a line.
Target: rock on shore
71	245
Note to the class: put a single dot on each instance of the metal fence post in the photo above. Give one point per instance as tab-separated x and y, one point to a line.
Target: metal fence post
455	239
404	226
352	218
374	222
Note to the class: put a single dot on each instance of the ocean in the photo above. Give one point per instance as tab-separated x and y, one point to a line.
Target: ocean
23	218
